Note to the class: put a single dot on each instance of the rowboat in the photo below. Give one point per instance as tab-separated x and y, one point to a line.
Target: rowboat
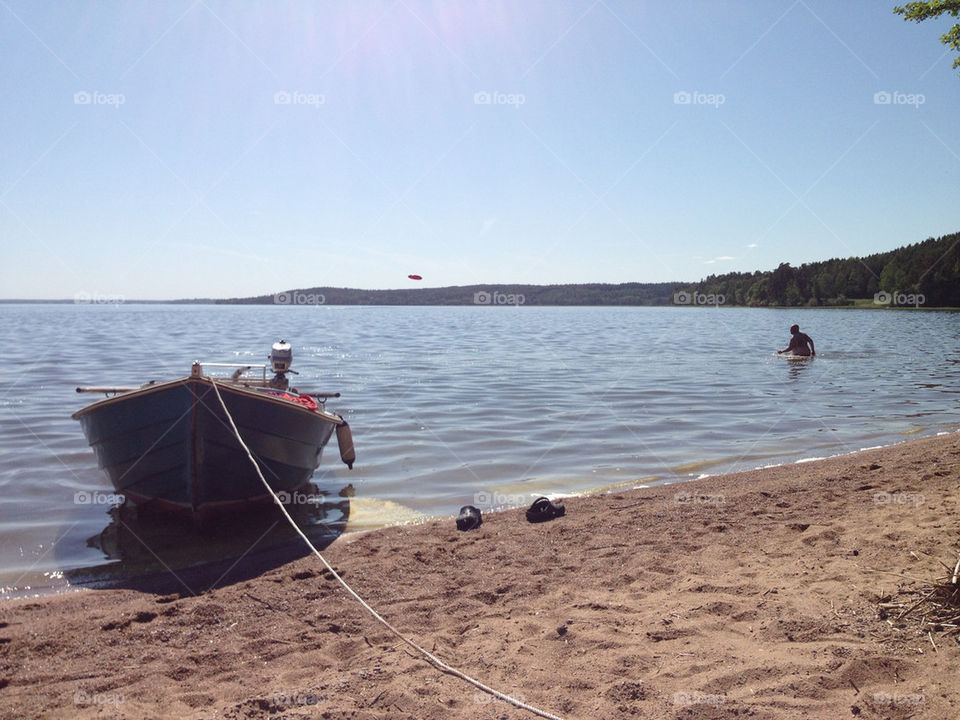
174	445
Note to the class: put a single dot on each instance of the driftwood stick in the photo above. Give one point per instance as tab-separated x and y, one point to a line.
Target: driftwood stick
899	575
956	571
917	603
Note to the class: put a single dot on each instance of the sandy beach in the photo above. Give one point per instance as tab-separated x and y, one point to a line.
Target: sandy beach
754	595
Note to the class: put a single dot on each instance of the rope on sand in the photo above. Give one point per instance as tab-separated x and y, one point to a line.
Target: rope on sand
431	658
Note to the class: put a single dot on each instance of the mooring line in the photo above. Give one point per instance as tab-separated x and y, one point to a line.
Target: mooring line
431	658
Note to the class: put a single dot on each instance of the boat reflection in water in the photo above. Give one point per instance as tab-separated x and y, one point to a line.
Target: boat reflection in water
166	553
200	462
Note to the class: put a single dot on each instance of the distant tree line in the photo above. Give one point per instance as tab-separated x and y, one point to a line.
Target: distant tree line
494	295
930	268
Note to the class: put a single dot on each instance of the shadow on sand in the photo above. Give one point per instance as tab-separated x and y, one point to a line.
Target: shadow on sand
161	553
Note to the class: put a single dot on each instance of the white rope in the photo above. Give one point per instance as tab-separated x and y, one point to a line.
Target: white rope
433	659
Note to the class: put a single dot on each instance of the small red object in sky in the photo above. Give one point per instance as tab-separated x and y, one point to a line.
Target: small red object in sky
414	277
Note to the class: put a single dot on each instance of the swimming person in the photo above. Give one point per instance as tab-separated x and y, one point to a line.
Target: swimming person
801	343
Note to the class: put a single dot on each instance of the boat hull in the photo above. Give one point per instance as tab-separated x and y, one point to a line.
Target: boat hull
172	445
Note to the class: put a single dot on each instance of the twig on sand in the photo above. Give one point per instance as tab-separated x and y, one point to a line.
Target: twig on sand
262	602
938	602
916	604
899	575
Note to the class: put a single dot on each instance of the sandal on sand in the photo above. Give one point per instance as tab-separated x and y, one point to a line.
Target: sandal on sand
543	510
469	518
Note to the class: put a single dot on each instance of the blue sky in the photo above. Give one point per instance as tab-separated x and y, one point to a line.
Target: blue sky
222	149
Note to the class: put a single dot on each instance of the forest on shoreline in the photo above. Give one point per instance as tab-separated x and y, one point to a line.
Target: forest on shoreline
924	274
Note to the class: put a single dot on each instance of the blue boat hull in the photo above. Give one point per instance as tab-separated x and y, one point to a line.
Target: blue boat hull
172	445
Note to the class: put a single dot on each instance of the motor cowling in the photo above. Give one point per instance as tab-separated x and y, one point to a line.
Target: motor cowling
281	356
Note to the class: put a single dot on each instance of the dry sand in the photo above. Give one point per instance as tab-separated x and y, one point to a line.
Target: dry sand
755	595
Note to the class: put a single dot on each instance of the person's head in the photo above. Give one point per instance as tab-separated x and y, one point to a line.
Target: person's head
794	329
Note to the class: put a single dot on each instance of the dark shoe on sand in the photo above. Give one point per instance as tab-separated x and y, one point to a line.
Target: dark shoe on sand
469	518
543	510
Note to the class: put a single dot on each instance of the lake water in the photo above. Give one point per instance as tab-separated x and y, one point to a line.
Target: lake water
449	406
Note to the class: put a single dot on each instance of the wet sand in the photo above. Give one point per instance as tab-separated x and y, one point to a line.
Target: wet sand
754	595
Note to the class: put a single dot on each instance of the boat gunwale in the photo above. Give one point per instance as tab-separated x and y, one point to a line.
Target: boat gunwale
259	393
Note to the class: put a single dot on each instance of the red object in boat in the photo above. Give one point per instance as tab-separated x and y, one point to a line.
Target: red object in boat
305	400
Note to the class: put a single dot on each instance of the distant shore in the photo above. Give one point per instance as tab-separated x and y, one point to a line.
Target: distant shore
897	279
754	594
372	298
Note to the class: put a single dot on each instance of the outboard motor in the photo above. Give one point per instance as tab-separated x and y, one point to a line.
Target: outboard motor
281	357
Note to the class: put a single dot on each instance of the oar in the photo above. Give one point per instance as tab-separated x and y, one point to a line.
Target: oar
106	389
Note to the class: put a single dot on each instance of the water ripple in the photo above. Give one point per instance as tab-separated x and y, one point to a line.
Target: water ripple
449	402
